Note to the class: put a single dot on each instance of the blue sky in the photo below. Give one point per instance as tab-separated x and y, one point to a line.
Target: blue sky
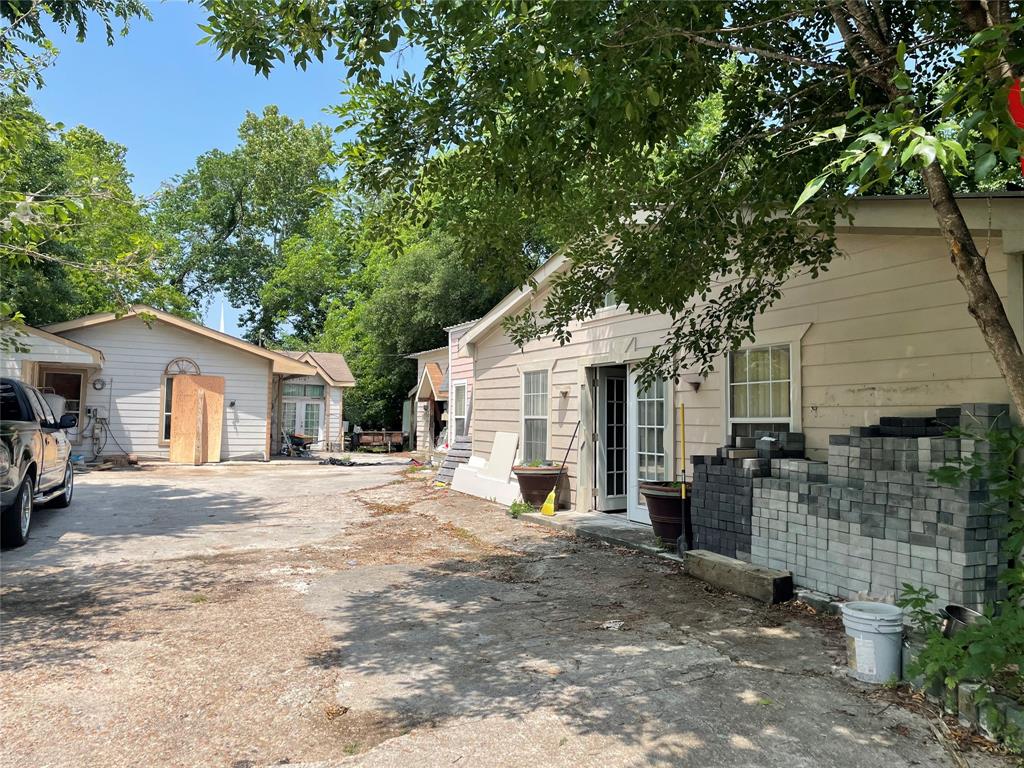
169	100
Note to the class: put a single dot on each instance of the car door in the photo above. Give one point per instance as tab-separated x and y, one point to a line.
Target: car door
51	473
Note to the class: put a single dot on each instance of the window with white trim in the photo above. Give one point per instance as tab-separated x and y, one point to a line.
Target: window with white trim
459	410
535	416
760	390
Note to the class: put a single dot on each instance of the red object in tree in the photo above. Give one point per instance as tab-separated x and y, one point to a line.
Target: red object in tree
1017	111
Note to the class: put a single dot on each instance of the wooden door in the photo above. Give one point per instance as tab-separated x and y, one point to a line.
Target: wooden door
197	419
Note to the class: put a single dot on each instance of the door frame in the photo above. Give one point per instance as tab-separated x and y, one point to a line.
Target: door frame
602	501
83	373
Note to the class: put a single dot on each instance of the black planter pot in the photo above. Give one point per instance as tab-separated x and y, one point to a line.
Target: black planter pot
669	511
535	483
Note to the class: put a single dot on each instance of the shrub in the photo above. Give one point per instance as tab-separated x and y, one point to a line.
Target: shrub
991	653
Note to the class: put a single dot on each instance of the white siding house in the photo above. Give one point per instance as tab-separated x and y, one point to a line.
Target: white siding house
123	403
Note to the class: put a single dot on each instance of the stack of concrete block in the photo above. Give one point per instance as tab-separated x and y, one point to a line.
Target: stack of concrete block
784	532
880	520
721	502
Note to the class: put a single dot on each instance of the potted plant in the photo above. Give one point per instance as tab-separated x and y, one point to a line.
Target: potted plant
668	509
536	479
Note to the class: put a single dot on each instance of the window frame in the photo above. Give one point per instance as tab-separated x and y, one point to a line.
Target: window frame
464	417
165	408
791	421
546	417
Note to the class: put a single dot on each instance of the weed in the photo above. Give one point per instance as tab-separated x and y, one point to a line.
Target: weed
519	508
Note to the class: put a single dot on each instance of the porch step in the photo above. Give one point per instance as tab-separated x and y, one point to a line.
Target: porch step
459	453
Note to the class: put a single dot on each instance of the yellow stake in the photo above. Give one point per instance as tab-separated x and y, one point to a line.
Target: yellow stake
682	446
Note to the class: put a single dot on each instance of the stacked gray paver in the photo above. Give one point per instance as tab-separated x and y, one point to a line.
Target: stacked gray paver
871	518
722	506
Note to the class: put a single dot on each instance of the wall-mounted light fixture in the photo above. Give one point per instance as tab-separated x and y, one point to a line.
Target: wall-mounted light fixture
564	393
694	380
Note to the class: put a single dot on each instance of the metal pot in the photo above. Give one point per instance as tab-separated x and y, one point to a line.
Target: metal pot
956	618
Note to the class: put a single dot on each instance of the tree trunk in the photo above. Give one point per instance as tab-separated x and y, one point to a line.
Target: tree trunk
983	301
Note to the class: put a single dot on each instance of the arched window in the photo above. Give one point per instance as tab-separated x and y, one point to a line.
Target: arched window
182	366
179	366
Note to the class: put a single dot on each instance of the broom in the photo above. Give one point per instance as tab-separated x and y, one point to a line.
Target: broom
548	507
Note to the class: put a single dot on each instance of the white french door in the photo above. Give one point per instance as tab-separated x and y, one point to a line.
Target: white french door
649	416
303	417
611	439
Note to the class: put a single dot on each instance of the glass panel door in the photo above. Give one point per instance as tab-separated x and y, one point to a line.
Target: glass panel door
311	421
611	439
650	447
288	425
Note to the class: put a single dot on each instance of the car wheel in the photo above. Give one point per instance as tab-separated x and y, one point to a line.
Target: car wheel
64	500
17	520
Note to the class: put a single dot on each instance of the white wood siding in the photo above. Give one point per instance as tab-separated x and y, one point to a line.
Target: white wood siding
336	414
135	357
22	365
889	334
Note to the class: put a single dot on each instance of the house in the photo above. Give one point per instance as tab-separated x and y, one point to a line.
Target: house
441	400
428	399
119	374
885	332
313	406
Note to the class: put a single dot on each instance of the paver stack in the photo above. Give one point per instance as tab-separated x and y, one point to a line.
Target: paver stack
866	521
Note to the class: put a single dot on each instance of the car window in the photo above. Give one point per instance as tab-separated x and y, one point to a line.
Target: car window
38	406
47	410
10	404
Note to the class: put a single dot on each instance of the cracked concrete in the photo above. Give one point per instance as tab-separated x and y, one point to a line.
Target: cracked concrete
334	617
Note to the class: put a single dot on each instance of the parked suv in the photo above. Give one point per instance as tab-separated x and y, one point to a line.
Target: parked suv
35	459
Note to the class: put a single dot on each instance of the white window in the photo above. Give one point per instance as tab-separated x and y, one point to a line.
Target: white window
760	389
535	416
302	390
459	410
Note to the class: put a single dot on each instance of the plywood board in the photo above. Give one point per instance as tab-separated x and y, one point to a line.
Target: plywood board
503	456
197	417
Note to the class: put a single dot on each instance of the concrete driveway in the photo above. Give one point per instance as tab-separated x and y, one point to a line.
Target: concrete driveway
256	615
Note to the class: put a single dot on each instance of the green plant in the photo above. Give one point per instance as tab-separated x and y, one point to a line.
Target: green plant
992	652
917	602
519	508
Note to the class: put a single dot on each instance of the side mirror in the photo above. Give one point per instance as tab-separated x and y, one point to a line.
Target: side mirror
68	421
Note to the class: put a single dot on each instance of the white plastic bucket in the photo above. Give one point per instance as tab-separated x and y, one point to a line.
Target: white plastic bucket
874	640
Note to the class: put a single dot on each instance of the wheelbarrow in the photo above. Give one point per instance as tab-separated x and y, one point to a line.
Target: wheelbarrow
298	445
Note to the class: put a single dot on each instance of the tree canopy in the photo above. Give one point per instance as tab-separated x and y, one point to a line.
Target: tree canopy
588	121
233	212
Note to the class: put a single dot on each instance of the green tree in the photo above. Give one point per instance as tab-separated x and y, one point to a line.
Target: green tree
315	271
580	117
232	214
89	246
399	304
34	217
